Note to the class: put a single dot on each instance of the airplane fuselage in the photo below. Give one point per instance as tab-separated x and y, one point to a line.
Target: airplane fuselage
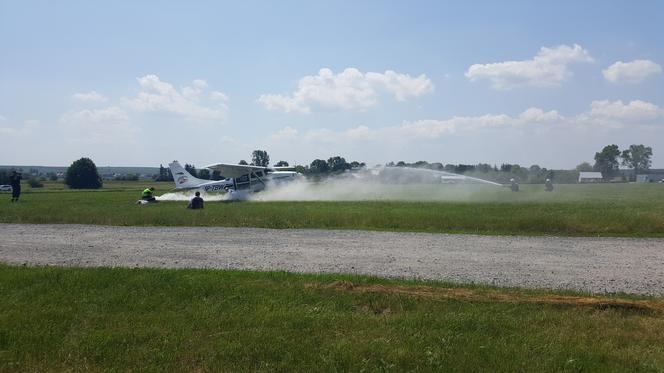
248	179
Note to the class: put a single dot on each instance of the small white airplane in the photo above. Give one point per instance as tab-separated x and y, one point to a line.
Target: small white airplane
238	178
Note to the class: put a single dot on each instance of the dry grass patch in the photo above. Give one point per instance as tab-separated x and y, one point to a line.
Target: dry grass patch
597	302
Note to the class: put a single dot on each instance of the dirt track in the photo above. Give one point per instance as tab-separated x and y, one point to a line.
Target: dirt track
598	265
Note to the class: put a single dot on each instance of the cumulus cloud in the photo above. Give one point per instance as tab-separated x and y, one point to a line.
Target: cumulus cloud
631	72
91	96
160	96
432	129
112	114
602	115
285	133
550	67
218	96
350	89
26	128
537	115
98	125
616	114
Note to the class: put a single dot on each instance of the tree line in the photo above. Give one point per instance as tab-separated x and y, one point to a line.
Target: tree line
83	173
608	161
318	167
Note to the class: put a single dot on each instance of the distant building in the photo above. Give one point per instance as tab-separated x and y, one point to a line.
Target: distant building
650	178
590	177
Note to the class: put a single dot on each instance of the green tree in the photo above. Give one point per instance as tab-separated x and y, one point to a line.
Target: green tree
301	169
281	164
82	174
4	176
337	164
637	157
318	166
191	169
127	177
584	167
438	166
35	183
242	162
606	161
483	167
164	174
260	158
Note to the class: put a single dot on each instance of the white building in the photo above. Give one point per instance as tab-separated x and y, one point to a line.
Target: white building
590	177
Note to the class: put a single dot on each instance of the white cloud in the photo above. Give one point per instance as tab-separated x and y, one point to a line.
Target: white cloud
2	117
200	83
537	115
105	125
28	127
602	115
159	96
91	96
285	133
218	96
350	89
606	114
109	115
631	72
550	67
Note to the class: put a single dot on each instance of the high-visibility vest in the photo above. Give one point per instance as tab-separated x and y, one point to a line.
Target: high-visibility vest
147	192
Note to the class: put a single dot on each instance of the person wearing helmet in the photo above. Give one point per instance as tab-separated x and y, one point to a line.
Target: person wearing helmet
148	195
548	185
514	186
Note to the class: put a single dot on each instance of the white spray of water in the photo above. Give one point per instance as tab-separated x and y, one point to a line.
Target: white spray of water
189	194
387	183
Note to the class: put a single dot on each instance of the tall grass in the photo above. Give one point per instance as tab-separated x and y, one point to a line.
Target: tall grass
55	319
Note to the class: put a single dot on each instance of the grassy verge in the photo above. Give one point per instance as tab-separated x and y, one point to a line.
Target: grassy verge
575	210
54	319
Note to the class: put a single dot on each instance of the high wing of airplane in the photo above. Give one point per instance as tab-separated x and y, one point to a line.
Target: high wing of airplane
253	178
237	177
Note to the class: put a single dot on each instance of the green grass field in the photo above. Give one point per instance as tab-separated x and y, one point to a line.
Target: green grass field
577	210
56	319
72	319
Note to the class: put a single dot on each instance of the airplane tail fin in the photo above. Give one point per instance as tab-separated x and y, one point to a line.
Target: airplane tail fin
182	178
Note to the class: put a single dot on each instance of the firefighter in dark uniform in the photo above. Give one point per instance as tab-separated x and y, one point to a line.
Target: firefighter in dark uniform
548	185
196	202
15	182
514	186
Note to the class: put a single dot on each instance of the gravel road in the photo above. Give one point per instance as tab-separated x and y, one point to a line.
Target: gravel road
597	265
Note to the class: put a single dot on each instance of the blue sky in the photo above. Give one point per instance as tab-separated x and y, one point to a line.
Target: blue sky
143	83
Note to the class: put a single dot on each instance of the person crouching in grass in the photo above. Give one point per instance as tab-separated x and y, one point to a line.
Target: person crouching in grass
196	202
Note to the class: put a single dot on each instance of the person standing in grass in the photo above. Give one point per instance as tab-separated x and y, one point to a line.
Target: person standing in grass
514	186
15	182
196	202
548	185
